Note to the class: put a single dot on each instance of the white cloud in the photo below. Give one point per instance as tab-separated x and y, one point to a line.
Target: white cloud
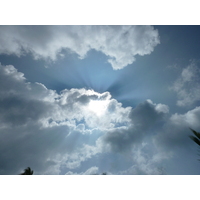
46	130
135	142
36	102
187	85
49	131
175	133
146	164
145	116
120	43
91	171
160	108
172	141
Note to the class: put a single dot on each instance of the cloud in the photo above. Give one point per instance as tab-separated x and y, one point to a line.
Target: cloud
57	133
175	132
46	130
120	43
146	164
173	141
91	171
139	155
145	116
33	101
187	85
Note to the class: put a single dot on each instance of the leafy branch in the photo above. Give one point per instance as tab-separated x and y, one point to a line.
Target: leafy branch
197	138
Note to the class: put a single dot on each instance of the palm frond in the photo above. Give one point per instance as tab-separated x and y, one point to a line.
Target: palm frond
196	140
196	133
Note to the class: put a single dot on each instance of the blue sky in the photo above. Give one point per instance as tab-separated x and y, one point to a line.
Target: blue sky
94	99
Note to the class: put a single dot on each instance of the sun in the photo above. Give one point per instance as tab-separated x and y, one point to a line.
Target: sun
98	107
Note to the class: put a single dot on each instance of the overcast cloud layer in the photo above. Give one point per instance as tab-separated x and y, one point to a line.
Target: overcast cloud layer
119	43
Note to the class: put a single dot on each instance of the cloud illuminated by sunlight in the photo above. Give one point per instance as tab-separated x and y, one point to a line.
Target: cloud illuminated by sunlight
98	107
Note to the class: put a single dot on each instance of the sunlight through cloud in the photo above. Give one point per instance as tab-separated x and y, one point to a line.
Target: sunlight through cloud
98	107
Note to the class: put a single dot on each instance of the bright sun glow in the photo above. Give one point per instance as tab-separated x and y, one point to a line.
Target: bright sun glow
98	107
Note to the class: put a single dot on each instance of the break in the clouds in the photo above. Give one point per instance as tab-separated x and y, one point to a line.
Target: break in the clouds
119	43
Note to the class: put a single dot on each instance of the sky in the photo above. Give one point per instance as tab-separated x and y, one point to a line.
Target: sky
80	100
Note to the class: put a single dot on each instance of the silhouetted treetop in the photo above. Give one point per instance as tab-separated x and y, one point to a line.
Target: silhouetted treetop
197	138
27	171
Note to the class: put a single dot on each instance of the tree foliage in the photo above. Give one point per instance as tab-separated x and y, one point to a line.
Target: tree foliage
27	171
195	138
